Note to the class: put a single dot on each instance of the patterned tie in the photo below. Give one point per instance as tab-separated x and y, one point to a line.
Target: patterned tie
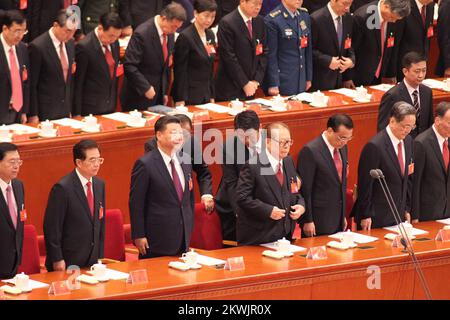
423	13
338	163
17	97
280	175
416	104
250	28
383	38
110	61
176	181
339	31
400	158
445	154
64	63
90	197
12	210
164	47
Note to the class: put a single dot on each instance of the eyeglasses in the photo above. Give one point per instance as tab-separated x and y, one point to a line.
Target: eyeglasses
407	127
14	163
96	160
284	143
344	139
19	32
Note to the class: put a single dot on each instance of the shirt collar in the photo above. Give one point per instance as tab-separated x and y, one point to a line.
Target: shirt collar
166	157
82	179
4	185
393	138
6	46
440	138
243	15
292	14
333	14
330	147
419	5
273	162
158	27
410	89
379	13
55	40
99	41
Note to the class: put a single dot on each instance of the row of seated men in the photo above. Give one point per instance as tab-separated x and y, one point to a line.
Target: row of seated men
261	197
286	53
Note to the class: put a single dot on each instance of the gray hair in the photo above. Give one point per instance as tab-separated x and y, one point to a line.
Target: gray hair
400	7
442	108
401	109
174	11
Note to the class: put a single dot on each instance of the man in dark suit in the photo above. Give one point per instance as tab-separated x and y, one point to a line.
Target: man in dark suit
148	60
332	51
97	57
52	66
74	221
236	151
136	12
323	167
14	66
12	211
416	31
268	192
192	147
443	36
375	41
161	195
242	52
224	7
431	187
410	90
92	10
391	150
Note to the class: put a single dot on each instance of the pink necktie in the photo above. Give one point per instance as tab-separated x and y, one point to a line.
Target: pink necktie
12	210
338	163
383	38
17	97
445	154
176	181
90	197
400	158
164	47
250	28
110	61
64	63
280	176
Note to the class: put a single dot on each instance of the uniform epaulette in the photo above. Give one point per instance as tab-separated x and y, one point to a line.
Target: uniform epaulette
303	9
275	13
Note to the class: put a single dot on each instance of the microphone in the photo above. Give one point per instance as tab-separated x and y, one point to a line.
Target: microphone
405	241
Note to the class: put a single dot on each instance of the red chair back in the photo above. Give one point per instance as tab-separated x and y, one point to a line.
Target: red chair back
114	236
207	233
30	251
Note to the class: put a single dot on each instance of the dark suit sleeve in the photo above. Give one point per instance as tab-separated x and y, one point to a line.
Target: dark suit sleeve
262	61
138	192
230	176
204	177
54	222
180	64
225	36
444	34
430	114
384	111
306	167
102	226
358	30
272	74
82	59
419	166
255	208
320	58
124	12
35	70
133	57
391	71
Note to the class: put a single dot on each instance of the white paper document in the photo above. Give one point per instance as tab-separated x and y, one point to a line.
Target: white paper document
346	92
434	84
208	261
304	96
274	246
16	128
118	116
113	274
382	87
357	237
415	231
70	123
444	221
31	283
214	107
264	102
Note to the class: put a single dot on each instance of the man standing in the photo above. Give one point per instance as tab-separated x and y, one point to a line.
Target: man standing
268	192
242	52
410	90
52	61
443	32
12	210
148	59
74	221
97	57
391	151
237	150
323	167
431	187
332	51
290	67
14	66
161	195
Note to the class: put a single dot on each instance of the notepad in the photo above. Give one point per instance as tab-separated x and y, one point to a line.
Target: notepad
69	123
274	246
208	261
434	84
357	237
114	274
214	107
22	129
32	284
346	92
414	231
382	87
304	96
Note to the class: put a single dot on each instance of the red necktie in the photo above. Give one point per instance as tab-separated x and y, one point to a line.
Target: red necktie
280	176
90	197
383	38
445	154
250	28
64	63
164	47
423	13
338	163
12	210
176	181
17	97
110	61
400	158
67	3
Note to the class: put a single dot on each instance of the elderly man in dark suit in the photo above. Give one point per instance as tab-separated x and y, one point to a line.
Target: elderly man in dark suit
14	66
148	60
12	210
52	61
431	187
268	192
161	195
74	221
97	57
410	90
391	150
323	167
242	52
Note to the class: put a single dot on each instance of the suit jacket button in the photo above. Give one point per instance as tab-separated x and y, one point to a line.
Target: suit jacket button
92	244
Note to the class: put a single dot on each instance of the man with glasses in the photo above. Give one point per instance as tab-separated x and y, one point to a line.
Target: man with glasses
14	66
323	167
268	192
161	195
410	90
12	209
391	150
74	222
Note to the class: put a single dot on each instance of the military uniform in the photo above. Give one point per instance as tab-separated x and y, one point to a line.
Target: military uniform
290	50
92	10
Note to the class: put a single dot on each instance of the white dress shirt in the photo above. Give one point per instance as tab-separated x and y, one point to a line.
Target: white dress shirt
330	147
3	186
84	182
411	90
395	143
6	48
101	44
56	44
167	159
440	138
274	163
244	17
334	16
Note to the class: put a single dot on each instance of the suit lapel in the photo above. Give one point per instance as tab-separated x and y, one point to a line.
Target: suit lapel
187	177
391	152
78	188
330	22
5	210
96	45
241	25
51	50
198	41
97	198
325	152
164	172
156	42
4	62
272	180
437	149
405	94
417	15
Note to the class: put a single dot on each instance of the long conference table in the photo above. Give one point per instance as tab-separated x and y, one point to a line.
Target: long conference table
347	274
46	160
